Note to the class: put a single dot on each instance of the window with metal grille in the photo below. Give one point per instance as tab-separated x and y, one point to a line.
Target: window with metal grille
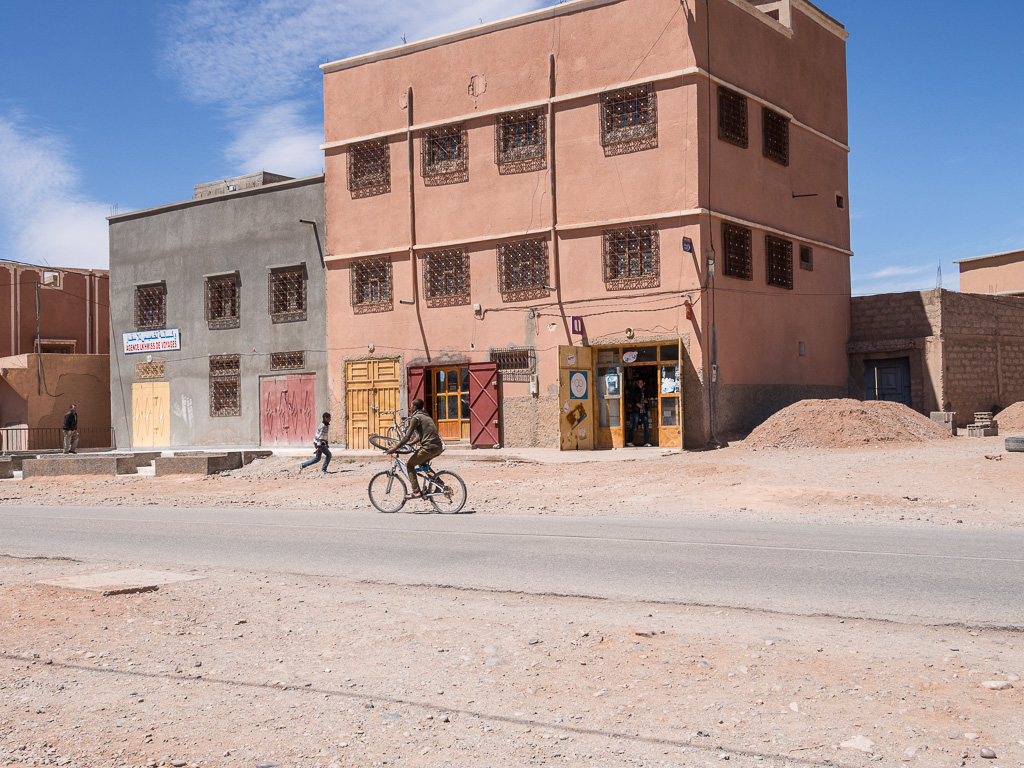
631	258
222	302
225	385
287	300
737	259
732	117
369	168
776	136
629	120
807	258
287	361
446	277
150	307
152	370
444	155
523	269
520	141
779	261
515	363
371	285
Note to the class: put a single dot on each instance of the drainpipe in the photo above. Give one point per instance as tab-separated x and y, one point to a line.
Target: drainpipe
39	347
88	313
412	224
556	263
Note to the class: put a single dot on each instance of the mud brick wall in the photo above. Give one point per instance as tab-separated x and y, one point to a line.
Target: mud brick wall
895	315
983	352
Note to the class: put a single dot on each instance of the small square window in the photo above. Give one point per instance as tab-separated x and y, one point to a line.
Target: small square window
515	363
222	302
446	277
523	270
732	117
287	301
444	155
776	136
631	258
369	168
371	285
150	307
520	142
778	262
737	258
225	385
840	201
807	258
629	120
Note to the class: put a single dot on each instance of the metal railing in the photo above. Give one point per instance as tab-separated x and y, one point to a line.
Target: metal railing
14	439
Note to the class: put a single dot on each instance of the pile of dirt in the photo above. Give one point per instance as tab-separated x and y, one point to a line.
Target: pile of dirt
1011	419
844	424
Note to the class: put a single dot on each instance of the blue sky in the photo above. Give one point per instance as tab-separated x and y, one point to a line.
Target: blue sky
129	103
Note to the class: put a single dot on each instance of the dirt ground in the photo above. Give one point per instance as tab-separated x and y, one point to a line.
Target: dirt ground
259	669
961	481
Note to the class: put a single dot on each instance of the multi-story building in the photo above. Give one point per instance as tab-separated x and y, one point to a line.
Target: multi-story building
218	314
526	217
54	341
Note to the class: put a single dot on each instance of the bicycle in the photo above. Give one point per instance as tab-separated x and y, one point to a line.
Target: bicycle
388	490
395	430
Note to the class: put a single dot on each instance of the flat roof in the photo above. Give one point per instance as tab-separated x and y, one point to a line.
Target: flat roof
528	18
1019	252
217	198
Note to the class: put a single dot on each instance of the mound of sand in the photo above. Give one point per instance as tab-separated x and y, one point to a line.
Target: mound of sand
1011	419
844	424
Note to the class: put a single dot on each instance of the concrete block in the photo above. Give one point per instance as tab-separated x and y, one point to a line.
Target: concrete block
947	419
248	457
6	469
17	459
198	464
58	466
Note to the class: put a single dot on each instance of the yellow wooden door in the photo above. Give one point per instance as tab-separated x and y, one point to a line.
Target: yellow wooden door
372	388
576	397
151	414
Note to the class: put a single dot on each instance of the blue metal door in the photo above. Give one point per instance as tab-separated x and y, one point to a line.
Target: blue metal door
888	380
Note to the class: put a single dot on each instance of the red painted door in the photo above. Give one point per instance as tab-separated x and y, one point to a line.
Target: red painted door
484	424
417	380
288	409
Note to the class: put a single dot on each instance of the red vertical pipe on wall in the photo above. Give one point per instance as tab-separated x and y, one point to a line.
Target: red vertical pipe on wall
88	314
556	264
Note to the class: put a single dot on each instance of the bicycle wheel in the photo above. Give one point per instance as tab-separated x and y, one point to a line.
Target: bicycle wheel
383	442
447	492
387	491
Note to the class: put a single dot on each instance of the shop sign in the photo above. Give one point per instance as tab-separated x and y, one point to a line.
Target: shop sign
162	340
630	357
577	325
579	387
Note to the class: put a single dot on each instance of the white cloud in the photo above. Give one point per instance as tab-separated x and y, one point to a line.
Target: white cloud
43	216
900	271
258	61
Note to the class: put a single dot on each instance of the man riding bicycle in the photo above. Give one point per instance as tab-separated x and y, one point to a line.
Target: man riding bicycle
431	445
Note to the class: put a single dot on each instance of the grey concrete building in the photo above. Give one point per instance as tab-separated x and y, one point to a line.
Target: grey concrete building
218	316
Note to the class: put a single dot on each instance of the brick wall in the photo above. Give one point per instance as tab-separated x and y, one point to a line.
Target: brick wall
894	315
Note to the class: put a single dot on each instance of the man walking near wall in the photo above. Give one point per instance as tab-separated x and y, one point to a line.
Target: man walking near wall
71	430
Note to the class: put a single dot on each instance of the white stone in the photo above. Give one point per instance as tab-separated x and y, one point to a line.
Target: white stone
859	742
997	685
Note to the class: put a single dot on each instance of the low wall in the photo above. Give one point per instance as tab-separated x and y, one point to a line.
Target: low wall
59	466
6	469
198	464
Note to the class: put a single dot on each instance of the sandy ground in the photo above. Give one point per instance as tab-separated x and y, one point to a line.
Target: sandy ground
960	481
250	668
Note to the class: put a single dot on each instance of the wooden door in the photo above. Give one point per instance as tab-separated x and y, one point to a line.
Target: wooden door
372	388
288	409
151	414
484	421
576	396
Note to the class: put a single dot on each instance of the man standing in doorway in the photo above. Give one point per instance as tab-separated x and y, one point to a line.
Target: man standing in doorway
636	401
71	430
431	445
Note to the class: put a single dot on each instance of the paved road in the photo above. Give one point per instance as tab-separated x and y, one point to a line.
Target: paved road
914	574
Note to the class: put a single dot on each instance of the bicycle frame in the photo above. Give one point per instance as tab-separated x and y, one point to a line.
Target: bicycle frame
398	467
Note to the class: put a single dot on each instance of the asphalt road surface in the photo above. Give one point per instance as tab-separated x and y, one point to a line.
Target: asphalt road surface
904	573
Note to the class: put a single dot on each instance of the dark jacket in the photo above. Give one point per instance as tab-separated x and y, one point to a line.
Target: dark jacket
422	425
70	421
633	398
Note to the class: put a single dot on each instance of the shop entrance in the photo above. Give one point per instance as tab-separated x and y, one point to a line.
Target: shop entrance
618	368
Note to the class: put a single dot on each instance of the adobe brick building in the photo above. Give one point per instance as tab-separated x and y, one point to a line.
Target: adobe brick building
527	216
938	351
53	352
218	315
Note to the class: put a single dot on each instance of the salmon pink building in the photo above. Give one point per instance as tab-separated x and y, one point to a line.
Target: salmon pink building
526	218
